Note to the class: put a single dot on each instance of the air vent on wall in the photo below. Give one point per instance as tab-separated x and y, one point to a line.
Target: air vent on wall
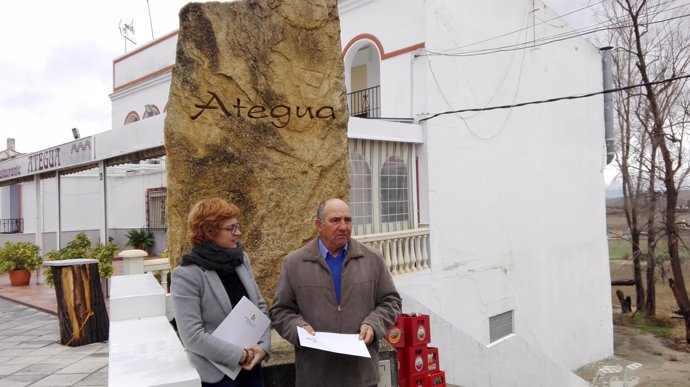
500	326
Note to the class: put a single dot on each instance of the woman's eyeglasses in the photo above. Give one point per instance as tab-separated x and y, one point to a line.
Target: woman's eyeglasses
233	229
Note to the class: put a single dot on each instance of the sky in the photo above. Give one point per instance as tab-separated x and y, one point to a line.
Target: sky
56	62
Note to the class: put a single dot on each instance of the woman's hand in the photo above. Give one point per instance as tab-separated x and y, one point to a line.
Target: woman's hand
255	355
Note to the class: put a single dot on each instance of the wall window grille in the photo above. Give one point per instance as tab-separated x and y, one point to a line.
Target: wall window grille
381	181
155	208
360	190
393	190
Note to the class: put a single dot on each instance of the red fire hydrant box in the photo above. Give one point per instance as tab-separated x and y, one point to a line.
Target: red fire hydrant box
412	361
409	330
436	379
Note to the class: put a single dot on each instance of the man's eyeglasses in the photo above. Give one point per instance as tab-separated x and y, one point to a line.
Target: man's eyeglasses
233	229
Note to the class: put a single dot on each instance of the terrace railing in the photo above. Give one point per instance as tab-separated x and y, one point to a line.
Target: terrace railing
403	251
365	103
11	226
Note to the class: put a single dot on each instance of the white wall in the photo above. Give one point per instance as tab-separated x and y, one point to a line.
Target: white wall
145	60
82	202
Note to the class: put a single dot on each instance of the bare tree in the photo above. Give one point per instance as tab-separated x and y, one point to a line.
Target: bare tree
634	154
660	47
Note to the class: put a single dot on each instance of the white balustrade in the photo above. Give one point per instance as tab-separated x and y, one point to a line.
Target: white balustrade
403	251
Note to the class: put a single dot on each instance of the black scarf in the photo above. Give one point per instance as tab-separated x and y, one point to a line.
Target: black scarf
211	257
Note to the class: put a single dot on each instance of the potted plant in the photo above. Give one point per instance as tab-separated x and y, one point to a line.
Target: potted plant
141	239
19	259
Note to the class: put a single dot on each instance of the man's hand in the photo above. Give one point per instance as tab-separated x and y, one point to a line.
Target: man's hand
257	355
366	333
309	329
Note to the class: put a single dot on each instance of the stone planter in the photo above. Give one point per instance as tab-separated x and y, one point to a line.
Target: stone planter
20	277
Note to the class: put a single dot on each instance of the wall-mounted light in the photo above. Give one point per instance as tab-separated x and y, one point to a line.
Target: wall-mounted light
75	133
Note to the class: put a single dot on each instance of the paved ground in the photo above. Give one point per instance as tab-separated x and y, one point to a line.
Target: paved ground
31	355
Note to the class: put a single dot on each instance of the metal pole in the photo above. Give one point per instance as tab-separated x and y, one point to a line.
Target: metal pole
150	22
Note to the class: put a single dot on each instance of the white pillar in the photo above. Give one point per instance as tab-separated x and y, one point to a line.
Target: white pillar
133	261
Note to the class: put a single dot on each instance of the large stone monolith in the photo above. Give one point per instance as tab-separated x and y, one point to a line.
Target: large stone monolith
257	115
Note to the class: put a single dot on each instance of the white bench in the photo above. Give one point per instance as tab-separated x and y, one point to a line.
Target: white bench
144	350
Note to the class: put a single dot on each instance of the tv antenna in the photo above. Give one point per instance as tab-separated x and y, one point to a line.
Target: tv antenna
127	30
150	21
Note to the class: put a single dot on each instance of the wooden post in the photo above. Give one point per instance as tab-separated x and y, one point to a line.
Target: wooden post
82	314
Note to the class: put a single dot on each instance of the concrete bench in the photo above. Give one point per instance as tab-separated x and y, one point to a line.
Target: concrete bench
144	350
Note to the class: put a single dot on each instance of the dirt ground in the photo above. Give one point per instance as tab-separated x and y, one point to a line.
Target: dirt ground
665	362
661	364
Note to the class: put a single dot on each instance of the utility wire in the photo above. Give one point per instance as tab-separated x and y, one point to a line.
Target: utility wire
557	98
599	27
524	28
611	23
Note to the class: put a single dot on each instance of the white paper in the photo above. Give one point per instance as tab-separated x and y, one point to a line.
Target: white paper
244	326
348	344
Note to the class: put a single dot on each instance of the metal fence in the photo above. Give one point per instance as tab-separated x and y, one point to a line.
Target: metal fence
365	103
11	226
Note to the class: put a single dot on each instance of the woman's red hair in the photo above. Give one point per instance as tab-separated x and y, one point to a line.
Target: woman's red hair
205	218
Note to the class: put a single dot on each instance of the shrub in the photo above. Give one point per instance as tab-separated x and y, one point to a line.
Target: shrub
80	247
19	255
140	239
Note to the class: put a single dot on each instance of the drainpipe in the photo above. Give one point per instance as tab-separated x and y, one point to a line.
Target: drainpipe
607	69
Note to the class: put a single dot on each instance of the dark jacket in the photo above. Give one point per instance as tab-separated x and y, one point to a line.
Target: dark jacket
201	303
306	295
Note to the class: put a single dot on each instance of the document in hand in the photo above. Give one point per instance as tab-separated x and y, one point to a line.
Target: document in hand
244	326
333	342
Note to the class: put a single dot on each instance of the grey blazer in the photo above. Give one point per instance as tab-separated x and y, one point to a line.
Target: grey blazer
200	304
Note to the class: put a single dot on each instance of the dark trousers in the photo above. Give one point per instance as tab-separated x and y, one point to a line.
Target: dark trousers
253	378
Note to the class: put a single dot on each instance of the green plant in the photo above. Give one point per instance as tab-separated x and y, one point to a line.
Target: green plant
140	239
104	253
80	247
19	255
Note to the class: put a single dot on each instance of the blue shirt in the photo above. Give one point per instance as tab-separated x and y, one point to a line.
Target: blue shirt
335	264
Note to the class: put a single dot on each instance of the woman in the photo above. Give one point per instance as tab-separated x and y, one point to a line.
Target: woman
212	278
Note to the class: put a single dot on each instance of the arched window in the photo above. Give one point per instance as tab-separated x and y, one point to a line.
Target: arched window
393	189
131	117
360	190
151	110
363	76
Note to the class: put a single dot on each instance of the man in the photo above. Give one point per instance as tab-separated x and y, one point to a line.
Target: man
335	284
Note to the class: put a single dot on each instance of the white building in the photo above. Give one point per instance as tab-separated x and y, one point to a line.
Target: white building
492	221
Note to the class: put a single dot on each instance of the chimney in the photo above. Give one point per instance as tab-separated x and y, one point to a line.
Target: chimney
10	144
